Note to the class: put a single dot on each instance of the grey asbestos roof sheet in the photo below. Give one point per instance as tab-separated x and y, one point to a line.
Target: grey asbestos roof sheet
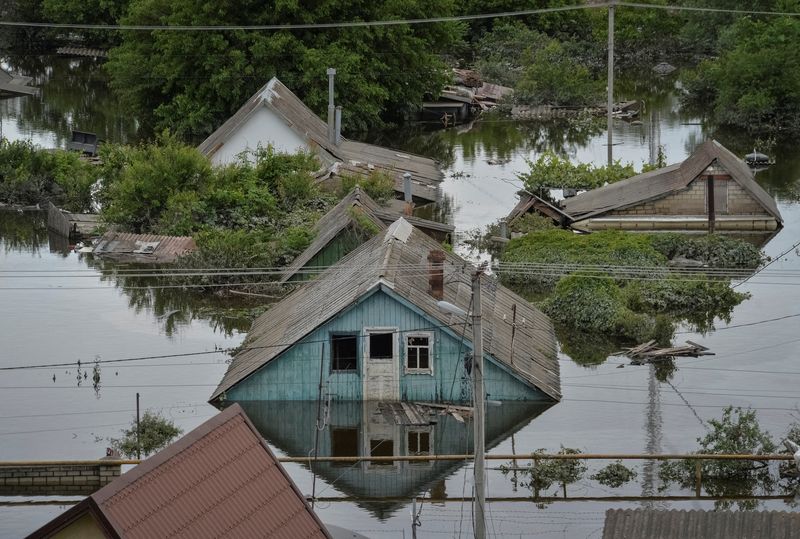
674	524
398	259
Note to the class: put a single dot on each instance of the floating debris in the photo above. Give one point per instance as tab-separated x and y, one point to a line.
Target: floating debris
663	68
650	352
757	159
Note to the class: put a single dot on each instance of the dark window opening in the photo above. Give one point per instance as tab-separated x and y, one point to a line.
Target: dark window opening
344	443
381	448
381	346
344	352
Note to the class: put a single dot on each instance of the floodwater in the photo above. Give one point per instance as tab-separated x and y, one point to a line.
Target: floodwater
73	313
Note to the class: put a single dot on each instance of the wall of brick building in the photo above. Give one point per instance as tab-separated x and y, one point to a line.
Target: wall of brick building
56	478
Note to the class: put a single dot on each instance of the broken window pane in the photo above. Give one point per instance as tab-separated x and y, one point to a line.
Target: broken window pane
381	346
344	352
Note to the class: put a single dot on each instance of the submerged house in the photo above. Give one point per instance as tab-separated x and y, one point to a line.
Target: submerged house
347	225
711	191
143	248
15	85
275	116
370	328
219	480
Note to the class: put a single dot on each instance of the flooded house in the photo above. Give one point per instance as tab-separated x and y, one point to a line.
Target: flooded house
143	248
221	479
356	218
373	429
713	190
275	116
371	328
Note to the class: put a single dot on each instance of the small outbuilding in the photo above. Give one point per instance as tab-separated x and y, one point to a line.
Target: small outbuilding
370	328
15	85
276	116
713	190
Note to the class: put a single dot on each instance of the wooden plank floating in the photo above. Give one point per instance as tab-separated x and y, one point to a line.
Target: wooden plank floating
649	352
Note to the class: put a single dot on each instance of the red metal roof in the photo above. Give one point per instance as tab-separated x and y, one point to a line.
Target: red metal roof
220	480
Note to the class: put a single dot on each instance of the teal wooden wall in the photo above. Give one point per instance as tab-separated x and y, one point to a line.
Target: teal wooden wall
347	240
294	375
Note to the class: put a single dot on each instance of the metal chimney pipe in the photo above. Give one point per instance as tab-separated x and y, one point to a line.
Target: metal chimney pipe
338	126
407	187
331	108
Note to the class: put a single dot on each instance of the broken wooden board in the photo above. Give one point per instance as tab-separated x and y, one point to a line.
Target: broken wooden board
649	351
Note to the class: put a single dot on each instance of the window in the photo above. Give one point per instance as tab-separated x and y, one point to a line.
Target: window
381	346
381	448
344	352
418	353
419	442
344	443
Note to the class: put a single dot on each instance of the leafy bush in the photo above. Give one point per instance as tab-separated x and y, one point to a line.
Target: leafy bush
614	475
155	433
551	171
378	185
715	250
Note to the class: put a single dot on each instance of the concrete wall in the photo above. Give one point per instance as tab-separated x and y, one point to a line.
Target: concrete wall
264	127
56	478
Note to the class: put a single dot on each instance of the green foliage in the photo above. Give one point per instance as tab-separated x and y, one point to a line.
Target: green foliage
190	82
87	12
531	222
377	184
552	76
497	53
551	171
754	82
544	473
155	433
30	175
364	223
614	475
714	250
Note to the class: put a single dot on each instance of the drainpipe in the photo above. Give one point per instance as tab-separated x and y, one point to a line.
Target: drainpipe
338	126
331	108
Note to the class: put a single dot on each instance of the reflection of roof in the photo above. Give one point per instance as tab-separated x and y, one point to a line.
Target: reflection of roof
674	524
220	480
341	216
143	247
15	85
347	157
389	259
663	181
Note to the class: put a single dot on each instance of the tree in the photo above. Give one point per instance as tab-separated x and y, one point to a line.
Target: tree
154	433
191	82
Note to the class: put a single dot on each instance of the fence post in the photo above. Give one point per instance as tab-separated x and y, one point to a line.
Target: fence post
698	477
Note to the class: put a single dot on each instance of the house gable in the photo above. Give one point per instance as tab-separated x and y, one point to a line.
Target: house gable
294	374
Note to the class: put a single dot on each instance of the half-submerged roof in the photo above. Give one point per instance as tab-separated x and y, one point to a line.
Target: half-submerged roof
678	524
220	480
660	182
15	85
346	157
356	205
146	248
398	260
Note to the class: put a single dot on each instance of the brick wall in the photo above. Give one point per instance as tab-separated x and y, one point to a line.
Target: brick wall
56	478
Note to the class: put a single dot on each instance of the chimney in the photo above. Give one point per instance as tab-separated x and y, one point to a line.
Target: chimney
407	196
338	126
503	228
331	108
436	274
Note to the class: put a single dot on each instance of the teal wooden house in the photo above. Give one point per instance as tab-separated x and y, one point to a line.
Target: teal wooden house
369	328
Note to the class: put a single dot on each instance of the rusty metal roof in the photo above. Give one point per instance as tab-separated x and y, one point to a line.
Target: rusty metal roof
388	260
147	248
347	157
664	181
674	524
220	480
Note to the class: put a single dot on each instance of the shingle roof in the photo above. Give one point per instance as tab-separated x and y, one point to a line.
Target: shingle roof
220	480
392	258
143	247
341	216
349	156
674	524
658	183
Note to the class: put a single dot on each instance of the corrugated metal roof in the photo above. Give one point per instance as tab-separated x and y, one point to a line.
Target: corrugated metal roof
674	524
658	183
386	258
349	156
220	480
143	247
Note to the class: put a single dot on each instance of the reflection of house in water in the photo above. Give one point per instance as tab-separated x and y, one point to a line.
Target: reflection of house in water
382	429
712	190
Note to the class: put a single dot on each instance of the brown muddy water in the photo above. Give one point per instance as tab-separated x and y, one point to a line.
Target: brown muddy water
64	310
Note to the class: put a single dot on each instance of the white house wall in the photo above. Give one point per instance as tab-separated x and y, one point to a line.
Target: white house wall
264	127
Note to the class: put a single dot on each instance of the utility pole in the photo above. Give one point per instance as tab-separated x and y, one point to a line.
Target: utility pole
331	72
610	86
138	431
479	420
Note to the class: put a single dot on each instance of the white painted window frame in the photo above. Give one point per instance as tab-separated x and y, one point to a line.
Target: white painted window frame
419	430
378	329
429	335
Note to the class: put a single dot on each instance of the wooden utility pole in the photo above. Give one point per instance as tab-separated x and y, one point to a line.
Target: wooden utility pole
610	85
138	431
479	419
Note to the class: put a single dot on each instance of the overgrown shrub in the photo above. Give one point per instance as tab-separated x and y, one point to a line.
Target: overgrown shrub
551	171
614	475
154	433
378	185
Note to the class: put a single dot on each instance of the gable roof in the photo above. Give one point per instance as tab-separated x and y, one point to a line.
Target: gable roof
220	480
341	216
661	182
348	156
15	85
146	248
678	524
398	260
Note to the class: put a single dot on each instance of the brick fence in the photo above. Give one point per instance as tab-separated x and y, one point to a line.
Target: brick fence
57	479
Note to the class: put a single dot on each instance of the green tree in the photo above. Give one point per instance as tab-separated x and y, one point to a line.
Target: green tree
154	433
191	82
